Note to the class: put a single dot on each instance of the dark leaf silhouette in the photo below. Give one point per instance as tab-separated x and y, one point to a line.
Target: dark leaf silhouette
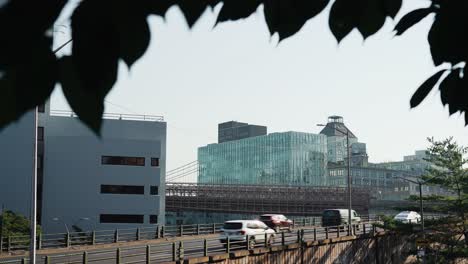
193	9
425	88
368	16
132	28
453	91
447	36
106	31
22	24
448	86
95	56
159	7
28	82
371	18
237	9
86	103
342	18
134	40
288	17
392	7
411	19
27	66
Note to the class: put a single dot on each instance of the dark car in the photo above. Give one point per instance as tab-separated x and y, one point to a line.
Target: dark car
339	217
277	222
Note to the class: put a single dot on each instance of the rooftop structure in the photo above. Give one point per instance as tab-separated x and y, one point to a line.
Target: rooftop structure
233	130
333	127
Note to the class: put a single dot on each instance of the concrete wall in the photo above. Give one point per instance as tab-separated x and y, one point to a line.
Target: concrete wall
74	173
382	249
16	164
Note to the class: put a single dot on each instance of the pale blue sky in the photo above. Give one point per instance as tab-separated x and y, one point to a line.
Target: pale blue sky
199	78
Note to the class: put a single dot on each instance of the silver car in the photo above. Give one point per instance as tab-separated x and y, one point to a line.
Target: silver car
408	217
241	230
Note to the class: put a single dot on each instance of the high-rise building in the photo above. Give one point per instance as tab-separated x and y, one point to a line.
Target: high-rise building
233	130
114	181
289	158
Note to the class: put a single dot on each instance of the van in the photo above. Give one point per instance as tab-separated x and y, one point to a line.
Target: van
337	217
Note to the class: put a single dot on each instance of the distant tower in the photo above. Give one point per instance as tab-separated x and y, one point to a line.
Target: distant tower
336	139
334	124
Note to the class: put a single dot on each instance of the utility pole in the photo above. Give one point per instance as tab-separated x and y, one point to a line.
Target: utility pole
349	183
348	168
33	216
33	220
421	209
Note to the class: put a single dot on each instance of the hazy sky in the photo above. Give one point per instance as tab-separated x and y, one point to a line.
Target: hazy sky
236	71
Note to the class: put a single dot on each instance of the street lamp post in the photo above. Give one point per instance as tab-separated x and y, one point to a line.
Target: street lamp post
348	168
33	216
58	219
75	224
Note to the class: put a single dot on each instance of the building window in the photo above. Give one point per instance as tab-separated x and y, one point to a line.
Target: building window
153	219
128	161
121	218
154	162
41	108
40	133
154	190
123	189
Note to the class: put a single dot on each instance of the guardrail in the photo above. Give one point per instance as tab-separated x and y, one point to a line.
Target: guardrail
180	250
99	237
114	116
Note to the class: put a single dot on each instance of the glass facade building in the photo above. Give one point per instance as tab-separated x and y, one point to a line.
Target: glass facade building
414	163
385	184
289	158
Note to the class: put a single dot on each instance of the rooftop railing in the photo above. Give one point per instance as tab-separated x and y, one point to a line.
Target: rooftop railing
113	116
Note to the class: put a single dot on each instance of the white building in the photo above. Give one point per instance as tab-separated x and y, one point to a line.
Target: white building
116	181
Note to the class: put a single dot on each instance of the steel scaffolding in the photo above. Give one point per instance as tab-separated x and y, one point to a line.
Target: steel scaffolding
259	199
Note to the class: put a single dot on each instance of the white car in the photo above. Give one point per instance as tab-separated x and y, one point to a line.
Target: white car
408	217
239	230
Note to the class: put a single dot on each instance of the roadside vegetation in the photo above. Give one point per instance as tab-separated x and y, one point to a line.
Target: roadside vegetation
445	239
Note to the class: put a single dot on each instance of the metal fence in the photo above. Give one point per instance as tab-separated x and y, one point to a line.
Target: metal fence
97	237
180	250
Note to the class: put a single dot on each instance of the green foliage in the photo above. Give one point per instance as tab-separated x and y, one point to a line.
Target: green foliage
107	31
448	236
13	224
390	224
448	171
